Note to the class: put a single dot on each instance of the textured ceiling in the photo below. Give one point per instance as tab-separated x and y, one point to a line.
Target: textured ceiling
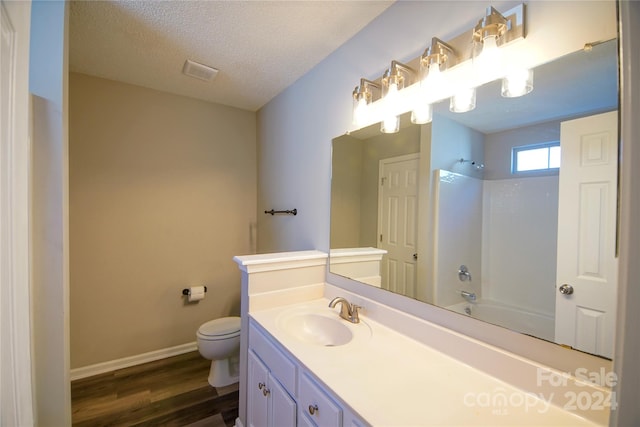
260	47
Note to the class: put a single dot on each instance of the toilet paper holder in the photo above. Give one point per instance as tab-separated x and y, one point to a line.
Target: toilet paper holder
186	291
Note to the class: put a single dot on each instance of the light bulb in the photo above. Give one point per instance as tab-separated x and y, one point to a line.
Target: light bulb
488	64
423	113
390	124
434	78
517	82
463	100
360	112
489	48
391	98
391	121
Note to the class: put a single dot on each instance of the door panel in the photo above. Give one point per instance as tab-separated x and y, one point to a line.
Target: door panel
257	403
397	222
283	407
585	317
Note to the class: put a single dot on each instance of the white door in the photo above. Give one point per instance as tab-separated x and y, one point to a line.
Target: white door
587	266
397	222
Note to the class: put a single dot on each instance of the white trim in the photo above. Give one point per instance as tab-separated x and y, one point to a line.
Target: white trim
349	255
267	300
16	389
126	362
627	350
280	261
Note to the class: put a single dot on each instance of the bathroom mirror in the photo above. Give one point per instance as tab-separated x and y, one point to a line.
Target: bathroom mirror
466	232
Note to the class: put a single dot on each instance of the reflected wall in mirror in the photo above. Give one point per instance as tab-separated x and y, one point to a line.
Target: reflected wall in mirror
437	212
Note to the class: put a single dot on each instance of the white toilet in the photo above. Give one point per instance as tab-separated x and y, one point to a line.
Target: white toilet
219	341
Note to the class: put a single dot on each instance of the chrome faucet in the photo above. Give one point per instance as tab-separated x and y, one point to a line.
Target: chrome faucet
469	296
348	311
463	273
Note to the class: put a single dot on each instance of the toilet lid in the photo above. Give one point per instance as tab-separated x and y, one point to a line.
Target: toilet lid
222	326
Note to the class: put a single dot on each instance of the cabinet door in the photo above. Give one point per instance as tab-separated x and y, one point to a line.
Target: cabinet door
282	406
257	391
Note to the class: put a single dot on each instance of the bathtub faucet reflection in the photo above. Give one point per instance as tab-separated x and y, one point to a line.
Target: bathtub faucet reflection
463	273
469	296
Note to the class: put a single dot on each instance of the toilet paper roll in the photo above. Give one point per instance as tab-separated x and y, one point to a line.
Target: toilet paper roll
196	293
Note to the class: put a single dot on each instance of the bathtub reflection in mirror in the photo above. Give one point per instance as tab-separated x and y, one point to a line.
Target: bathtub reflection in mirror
461	205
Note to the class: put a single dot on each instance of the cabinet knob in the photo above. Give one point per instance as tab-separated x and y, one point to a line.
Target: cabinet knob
313	409
260	386
265	392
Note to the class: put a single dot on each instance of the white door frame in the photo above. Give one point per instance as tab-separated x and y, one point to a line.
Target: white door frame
16	393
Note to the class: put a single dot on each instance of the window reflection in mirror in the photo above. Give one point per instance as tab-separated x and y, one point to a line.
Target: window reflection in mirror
410	210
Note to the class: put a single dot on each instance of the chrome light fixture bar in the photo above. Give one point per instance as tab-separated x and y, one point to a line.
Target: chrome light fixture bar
446	69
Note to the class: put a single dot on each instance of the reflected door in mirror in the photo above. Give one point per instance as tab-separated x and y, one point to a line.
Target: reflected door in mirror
398	212
586	307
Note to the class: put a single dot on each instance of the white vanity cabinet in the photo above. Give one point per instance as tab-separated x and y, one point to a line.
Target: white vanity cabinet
282	393
269	404
271	382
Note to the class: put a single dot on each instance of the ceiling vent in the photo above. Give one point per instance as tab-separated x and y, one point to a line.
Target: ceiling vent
199	71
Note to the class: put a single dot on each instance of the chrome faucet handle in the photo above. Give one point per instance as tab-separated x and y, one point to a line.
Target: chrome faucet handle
469	296
463	273
355	317
348	311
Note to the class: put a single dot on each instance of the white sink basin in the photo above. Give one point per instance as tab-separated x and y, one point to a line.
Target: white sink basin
325	329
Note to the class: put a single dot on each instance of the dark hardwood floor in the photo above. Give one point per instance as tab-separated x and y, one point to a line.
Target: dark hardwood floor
168	392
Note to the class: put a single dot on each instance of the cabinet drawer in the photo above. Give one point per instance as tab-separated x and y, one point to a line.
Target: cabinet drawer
279	364
314	402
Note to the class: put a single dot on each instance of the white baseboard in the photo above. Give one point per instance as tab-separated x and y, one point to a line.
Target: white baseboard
112	365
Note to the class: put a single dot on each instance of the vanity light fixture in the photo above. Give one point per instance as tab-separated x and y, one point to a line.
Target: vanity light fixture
451	69
487	36
488	61
486	58
362	97
436	59
393	81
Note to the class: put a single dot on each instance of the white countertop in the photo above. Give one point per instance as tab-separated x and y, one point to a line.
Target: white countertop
391	380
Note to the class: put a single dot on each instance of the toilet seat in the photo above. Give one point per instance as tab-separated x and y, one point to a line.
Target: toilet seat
220	329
